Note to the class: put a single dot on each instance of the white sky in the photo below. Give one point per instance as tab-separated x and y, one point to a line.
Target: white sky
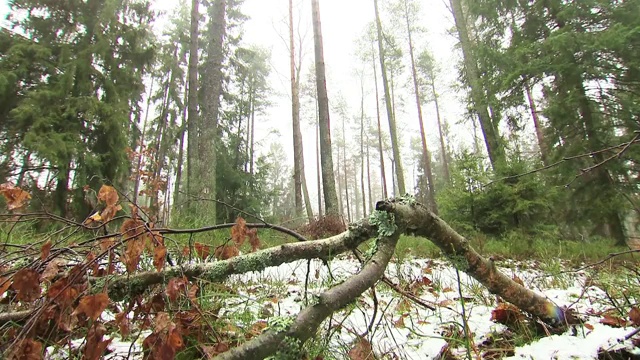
342	23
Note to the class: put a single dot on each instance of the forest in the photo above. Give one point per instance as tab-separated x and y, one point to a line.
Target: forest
319	179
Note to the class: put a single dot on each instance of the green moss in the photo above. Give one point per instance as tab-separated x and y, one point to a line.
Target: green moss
253	262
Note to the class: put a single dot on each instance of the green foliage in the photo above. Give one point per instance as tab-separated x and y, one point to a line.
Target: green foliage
479	200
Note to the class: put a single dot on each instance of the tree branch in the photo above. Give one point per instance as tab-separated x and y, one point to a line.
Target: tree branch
308	320
418	220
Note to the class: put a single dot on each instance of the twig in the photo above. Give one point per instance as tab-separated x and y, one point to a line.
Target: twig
624	147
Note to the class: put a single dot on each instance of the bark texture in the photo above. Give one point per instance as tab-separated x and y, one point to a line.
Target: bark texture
480	103
326	158
388	101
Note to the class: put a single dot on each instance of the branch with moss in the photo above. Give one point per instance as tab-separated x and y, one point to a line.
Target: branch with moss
306	324
419	221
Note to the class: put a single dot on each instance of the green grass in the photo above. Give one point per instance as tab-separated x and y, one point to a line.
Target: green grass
520	247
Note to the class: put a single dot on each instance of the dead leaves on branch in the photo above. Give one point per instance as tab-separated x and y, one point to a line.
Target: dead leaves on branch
14	196
109	196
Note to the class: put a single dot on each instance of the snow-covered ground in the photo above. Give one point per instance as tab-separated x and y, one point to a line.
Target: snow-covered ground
401	329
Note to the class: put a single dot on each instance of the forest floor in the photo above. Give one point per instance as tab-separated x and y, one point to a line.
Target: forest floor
467	323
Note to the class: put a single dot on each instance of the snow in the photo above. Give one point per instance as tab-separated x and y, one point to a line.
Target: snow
409	331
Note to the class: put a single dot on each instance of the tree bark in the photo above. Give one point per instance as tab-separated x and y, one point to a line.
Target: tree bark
212	92
192	103
443	149
537	124
328	178
295	115
426	155
388	101
491	136
362	153
383	177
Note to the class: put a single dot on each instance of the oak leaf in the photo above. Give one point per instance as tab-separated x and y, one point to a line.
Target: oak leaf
175	287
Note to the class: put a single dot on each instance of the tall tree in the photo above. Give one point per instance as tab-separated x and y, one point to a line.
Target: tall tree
427	67
83	67
495	148
409	10
298	153
397	161
328	178
212	92
192	107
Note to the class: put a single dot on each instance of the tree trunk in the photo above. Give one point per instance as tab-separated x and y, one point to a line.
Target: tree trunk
295	111
537	124
478	96
211	109
318	169
192	123
362	153
328	178
344	172
388	101
443	149
383	177
179	166
426	155
140	147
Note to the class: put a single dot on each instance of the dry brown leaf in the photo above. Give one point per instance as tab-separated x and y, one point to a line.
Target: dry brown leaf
202	250
253	239
45	250
123	324
239	231
634	315
159	257
506	314
92	305
15	197
162	322
26	282
175	287
50	271
27	349
362	350
95	346
108	195
5	284
613	321
225	252
62	293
